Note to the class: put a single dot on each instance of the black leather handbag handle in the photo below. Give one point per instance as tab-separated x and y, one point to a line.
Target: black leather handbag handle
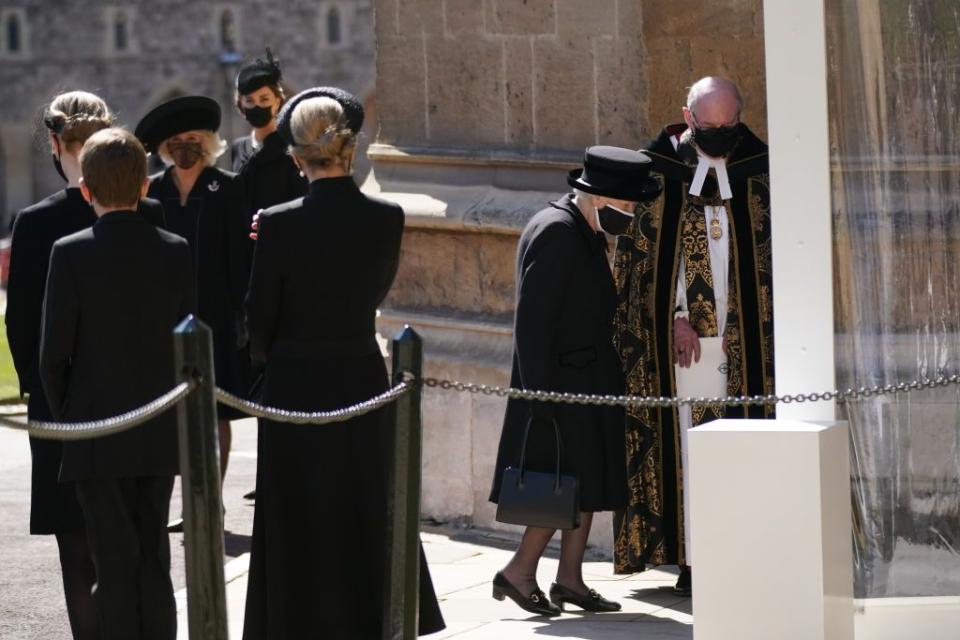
523	454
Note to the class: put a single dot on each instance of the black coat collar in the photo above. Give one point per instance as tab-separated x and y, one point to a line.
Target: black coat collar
594	239
121	216
328	187
74	195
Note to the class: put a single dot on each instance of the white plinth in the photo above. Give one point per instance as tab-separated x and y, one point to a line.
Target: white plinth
770	520
935	618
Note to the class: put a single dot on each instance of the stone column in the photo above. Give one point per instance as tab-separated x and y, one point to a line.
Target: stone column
484	105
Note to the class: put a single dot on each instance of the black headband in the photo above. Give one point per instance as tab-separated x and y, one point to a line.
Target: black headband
352	109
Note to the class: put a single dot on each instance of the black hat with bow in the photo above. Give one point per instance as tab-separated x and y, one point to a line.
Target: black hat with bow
258	74
615	172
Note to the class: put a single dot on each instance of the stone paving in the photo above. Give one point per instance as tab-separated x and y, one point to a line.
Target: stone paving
462	565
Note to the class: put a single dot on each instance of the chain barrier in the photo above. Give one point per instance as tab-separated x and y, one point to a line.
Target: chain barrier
840	396
130	419
315	417
107	426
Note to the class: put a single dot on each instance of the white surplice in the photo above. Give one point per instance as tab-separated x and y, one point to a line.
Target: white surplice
719	266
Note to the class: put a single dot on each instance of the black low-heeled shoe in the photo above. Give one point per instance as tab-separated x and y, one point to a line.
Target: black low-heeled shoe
593	601
536	602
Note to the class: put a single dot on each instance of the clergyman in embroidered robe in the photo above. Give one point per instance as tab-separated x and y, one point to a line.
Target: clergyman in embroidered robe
697	259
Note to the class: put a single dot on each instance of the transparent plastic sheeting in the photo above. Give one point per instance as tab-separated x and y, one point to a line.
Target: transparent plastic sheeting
894	85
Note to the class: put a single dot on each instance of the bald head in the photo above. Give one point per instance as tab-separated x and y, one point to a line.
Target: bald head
713	101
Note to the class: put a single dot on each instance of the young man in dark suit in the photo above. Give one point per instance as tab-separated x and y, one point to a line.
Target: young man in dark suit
114	293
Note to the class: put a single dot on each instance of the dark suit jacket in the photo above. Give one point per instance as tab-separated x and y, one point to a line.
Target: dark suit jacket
36	229
563	341
114	294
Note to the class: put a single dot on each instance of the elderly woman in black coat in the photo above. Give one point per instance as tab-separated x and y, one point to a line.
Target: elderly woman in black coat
205	205
311	310
563	335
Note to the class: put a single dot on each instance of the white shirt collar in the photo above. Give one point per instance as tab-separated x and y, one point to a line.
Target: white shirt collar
719	165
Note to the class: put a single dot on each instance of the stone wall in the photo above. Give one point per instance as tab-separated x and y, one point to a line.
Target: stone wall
508	75
175	47
685	40
484	107
547	76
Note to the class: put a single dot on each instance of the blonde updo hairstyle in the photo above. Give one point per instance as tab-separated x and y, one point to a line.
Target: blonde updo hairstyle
75	116
321	136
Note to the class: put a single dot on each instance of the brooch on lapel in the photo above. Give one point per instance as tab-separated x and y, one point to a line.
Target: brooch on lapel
214	186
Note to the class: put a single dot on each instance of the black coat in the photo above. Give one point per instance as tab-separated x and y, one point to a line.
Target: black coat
563	341
322	266
53	507
215	224
268	173
114	294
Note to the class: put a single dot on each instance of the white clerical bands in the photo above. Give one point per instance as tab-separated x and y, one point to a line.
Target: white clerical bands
700	175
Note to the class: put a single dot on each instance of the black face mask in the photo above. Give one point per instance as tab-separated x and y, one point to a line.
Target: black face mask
59	167
717	142
614	221
258	117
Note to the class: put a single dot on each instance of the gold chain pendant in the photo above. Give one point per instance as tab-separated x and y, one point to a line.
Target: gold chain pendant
716	231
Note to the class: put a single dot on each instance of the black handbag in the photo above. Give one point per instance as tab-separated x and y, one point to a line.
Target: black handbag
536	499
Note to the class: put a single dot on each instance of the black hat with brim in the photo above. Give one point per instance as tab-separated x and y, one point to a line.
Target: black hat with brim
258	74
615	172
189	113
352	109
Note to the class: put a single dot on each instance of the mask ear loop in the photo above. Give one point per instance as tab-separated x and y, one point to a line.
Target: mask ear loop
596	211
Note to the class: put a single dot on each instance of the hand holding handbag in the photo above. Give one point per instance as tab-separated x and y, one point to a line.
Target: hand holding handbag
537	499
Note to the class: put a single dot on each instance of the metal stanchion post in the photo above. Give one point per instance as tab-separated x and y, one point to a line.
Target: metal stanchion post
200	479
403	538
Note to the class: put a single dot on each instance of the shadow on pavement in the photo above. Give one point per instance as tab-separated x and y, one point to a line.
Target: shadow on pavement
662	596
575	627
235	544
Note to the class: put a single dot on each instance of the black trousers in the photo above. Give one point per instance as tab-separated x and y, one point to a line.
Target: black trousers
126	520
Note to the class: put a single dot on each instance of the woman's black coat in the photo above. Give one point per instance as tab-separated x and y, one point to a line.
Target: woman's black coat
268	174
322	266
563	341
215	224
